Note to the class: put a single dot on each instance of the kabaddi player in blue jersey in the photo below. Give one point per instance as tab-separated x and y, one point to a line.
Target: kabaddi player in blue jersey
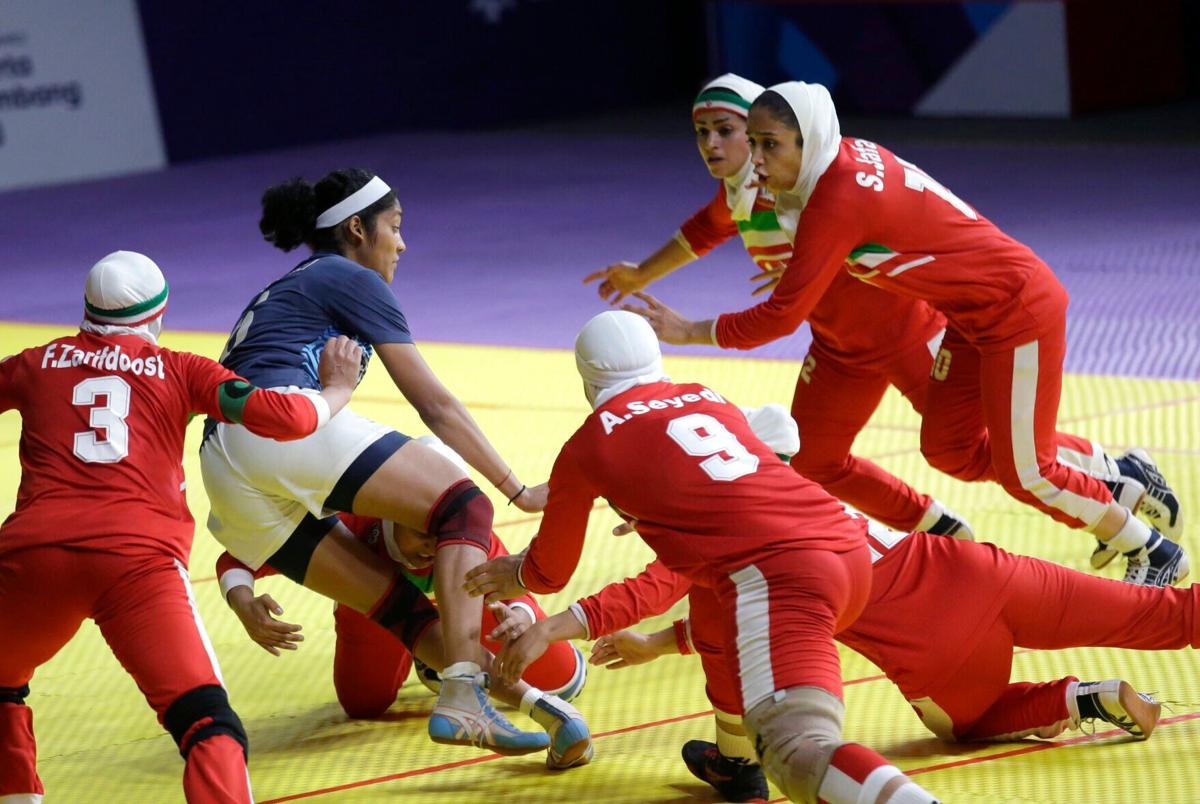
276	506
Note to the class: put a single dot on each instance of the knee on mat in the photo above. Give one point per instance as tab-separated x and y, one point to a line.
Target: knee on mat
364	706
201	714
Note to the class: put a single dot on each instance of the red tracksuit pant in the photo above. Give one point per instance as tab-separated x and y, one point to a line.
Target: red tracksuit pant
144	608
993	415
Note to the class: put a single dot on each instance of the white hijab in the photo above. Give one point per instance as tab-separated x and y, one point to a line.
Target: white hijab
738	196
615	351
822	136
125	294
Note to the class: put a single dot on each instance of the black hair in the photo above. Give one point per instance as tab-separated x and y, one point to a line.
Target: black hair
290	209
780	111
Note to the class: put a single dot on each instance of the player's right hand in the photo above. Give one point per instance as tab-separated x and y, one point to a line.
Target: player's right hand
340	364
256	614
622	649
618	281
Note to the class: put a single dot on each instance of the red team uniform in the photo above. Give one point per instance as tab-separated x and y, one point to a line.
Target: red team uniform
992	408
102	530
863	340
370	664
791	568
954	670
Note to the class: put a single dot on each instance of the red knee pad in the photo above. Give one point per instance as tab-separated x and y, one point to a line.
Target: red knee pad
405	611
462	515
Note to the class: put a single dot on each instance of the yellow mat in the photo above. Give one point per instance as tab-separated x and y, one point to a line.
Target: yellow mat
99	742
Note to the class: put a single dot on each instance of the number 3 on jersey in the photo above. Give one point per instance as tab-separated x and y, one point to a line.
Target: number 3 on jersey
715	439
109	417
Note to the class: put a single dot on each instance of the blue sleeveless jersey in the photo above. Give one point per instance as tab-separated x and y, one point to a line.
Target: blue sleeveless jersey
279	337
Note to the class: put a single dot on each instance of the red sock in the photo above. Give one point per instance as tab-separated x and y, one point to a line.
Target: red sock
216	772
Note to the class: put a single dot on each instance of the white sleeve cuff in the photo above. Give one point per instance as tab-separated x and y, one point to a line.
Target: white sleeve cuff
322	407
684	244
712	334
577	610
233	578
525	607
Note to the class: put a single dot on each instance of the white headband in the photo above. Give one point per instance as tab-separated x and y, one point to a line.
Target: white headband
357	201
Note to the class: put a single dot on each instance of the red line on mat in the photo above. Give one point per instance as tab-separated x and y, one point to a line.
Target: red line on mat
488	758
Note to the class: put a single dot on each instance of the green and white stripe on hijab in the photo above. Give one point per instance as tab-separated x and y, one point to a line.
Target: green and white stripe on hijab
732	93
126	294
822	137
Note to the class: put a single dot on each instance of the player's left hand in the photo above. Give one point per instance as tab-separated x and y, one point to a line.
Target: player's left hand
533	498
511	621
669	326
495	579
515	656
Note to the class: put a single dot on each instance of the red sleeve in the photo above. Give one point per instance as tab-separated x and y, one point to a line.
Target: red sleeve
826	234
710	227
218	392
620	605
9	385
554	553
226	562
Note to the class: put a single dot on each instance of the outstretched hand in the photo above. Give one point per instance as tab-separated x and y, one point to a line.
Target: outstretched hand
623	649
618	281
769	277
533	498
516	656
258	618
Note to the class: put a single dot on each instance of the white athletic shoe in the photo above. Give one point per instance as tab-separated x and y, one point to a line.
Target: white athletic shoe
1116	702
941	521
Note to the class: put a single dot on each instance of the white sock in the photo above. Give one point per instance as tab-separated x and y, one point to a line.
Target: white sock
1133	535
931	516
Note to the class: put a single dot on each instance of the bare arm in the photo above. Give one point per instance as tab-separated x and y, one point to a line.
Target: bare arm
448	418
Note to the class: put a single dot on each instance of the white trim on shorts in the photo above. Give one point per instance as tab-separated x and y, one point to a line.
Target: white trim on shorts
753	636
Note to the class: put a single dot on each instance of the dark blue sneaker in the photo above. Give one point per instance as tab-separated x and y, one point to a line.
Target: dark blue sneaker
1159	562
1128	493
1160	503
734	779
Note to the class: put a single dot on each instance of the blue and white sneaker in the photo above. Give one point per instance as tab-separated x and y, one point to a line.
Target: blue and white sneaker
464	716
1160	503
570	738
1159	562
1116	702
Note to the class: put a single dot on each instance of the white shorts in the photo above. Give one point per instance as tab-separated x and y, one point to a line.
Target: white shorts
261	489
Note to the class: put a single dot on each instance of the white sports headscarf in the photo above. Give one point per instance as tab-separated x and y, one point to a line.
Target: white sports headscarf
775	427
822	135
615	351
125	294
734	94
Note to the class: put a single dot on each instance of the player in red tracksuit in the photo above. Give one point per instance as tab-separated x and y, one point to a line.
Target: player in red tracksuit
790	567
101	528
863	339
992	407
369	664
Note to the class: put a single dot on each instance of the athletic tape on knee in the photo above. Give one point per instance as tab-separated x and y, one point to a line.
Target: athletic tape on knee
203	713
405	611
795	734
462	515
14	695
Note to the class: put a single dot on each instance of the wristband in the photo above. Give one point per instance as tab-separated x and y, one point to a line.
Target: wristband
683	636
520	491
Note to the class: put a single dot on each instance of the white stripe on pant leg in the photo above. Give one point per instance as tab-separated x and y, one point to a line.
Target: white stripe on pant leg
1022	410
208	648
753	636
1097	464
22	798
